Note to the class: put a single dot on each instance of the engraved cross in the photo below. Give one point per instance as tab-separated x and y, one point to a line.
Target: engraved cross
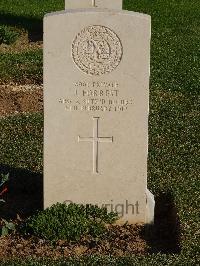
95	139
94	3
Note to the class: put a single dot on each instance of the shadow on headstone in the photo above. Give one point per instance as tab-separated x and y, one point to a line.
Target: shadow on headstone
34	26
25	193
165	235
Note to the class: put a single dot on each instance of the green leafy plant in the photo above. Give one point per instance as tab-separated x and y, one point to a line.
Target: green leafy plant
7	227
7	35
69	222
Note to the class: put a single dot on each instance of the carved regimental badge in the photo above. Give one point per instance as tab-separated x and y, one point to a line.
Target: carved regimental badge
97	50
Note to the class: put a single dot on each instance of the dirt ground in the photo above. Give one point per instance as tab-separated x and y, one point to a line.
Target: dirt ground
118	241
20	99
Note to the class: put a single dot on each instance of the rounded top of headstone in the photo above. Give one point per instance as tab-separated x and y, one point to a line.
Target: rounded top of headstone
97	50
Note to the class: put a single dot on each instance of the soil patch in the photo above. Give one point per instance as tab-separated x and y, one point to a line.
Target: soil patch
20	99
117	241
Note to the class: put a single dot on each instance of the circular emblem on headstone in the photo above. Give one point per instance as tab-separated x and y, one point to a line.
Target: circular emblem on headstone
97	50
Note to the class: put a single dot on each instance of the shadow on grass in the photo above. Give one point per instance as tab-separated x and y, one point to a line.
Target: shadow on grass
34	26
25	193
165	235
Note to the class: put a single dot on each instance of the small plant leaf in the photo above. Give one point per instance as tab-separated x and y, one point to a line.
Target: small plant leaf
4	179
10	226
4	231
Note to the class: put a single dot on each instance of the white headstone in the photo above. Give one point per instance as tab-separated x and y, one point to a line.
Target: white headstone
112	4
96	100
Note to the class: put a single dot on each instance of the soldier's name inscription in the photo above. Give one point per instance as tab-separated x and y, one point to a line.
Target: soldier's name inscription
96	96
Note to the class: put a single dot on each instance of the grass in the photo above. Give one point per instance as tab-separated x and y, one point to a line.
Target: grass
21	67
174	57
173	164
27	13
24	67
7	35
21	142
173	157
154	260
